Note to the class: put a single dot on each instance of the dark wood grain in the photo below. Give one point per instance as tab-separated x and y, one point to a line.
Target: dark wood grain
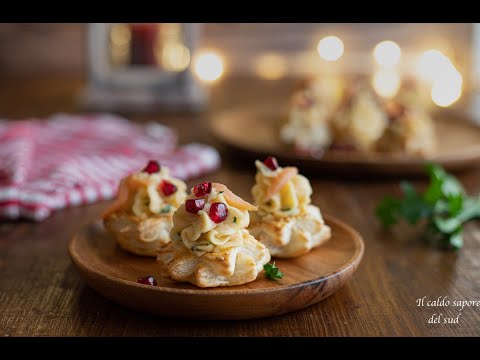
41	292
310	278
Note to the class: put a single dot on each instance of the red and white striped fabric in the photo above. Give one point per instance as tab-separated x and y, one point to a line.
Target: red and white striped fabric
69	160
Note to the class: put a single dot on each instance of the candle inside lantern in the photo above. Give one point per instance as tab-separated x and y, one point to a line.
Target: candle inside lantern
143	40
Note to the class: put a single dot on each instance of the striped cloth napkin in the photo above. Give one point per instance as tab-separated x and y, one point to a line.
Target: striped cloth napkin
69	160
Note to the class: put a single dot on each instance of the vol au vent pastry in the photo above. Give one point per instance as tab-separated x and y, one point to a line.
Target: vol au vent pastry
360	121
308	126
140	218
210	243
410	131
311	109
286	222
326	116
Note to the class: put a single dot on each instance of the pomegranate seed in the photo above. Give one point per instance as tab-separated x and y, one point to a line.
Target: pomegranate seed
147	280
168	188
271	163
202	189
218	212
194	205
152	167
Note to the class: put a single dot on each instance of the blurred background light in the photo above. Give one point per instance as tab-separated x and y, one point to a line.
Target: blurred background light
120	38
447	89
438	70
208	66
271	66
422	54
175	57
432	64
330	48
120	35
386	82
387	53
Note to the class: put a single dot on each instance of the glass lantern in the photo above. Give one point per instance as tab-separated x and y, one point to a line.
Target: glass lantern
143	67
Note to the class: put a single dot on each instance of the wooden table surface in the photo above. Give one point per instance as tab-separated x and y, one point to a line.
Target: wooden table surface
41	292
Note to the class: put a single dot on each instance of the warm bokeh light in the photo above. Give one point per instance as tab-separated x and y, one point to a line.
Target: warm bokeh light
432	64
208	66
271	66
330	48
120	35
120	38
386	82
436	69
387	53
448	89
175	57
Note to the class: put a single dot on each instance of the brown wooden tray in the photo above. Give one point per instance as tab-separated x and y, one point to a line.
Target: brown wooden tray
257	135
308	279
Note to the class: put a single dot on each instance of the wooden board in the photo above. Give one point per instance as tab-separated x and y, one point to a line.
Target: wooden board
257	135
308	279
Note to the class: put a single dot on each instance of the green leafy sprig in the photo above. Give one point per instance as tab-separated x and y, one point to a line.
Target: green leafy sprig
272	271
443	206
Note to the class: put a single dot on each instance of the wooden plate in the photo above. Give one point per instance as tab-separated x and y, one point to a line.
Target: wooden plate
308	279
257	135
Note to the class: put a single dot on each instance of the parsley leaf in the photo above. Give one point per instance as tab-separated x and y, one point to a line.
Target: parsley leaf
272	271
443	206
166	209
388	211
235	219
413	207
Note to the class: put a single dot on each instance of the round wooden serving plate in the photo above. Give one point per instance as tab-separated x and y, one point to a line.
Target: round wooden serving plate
308	279
257	135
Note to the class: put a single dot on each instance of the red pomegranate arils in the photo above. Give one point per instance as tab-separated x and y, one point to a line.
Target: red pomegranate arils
194	205
152	167
168	188
218	212
271	163
147	280
202	189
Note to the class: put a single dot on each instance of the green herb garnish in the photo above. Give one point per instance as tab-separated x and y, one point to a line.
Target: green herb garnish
286	209
221	192
166	209
235	219
272	272
443	206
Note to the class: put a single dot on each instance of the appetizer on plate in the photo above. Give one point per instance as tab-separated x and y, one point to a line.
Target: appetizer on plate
310	112
286	222
308	126
211	245
360	121
141	216
356	118
409	131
